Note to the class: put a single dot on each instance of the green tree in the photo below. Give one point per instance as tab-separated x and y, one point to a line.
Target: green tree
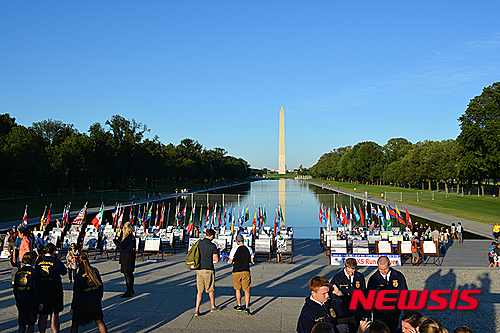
479	139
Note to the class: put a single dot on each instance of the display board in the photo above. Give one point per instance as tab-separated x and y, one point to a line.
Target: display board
405	247
360	247
220	243
338	259
263	245
152	244
284	245
430	248
90	240
192	241
338	246
373	238
71	238
107	240
384	247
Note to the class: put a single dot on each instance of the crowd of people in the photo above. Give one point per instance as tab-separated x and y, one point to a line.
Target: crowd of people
327	309
37	272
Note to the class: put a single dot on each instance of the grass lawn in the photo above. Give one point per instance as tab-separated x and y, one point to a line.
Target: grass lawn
481	209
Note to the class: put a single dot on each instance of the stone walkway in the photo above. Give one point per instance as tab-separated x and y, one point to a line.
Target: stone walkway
165	293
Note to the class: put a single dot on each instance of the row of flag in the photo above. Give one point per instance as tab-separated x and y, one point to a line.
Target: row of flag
142	215
345	216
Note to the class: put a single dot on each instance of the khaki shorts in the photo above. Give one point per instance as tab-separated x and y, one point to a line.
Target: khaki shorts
205	280
242	280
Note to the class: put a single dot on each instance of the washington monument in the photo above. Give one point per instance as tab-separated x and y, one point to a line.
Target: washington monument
282	164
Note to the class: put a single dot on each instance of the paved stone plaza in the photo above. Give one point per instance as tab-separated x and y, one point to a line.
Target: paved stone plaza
165	293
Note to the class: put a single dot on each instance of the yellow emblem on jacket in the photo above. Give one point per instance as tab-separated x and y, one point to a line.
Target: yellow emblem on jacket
23	280
395	283
332	313
358	284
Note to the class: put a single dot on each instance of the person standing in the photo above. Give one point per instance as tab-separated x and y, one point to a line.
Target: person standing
87	296
126	244
460	230
496	231
50	269
415	250
346	281
71	262
26	243
241	256
205	275
27	292
386	278
319	308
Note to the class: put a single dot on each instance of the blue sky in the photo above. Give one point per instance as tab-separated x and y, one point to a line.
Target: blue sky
219	71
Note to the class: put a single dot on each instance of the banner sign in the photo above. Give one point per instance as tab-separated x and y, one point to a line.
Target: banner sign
338	259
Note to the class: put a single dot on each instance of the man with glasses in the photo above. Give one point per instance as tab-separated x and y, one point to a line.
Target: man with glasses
342	285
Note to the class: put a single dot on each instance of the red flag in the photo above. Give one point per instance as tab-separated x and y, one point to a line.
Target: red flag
408	218
320	215
48	217
362	216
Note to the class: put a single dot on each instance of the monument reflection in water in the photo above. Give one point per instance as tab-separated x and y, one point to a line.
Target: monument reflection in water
299	204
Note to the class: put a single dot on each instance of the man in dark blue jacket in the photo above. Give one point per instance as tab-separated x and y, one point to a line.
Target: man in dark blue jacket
387	278
346	281
318	308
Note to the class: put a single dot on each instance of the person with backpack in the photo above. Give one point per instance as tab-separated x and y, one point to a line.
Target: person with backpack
241	256
205	274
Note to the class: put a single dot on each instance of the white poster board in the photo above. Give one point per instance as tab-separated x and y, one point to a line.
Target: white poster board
430	247
384	247
90	241
406	247
360	247
338	246
152	244
263	245
220	243
192	241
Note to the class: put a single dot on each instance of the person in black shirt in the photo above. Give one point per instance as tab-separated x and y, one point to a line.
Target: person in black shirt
87	296
28	293
241	256
50	270
205	275
386	278
126	244
318	308
346	281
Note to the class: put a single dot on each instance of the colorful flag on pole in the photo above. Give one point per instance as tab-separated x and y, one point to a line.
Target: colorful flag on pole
97	221
362	216
48	216
254	221
81	215
25	217
356	214
320	214
408	219
42	219
399	216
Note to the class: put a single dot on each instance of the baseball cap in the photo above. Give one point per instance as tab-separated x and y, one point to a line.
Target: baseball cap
239	238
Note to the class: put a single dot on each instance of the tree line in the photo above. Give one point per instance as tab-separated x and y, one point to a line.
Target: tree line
116	155
473	157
